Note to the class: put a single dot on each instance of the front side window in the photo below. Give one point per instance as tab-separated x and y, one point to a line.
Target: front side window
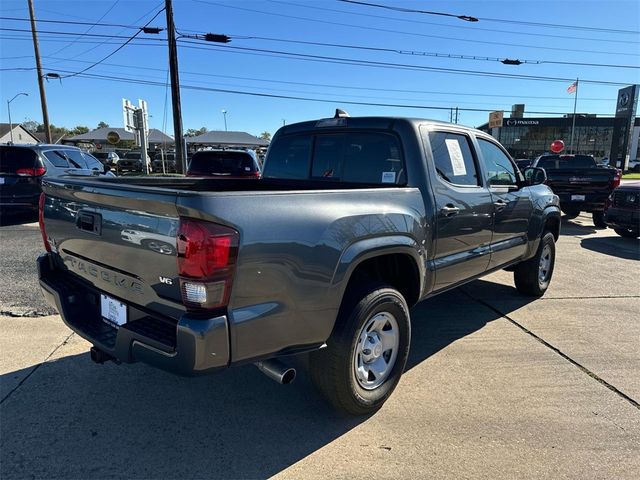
453	158
498	168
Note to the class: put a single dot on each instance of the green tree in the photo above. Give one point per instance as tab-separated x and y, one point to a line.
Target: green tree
192	132
80	129
103	125
32	126
265	136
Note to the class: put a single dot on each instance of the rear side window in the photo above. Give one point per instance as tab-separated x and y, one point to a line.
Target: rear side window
222	163
355	157
453	158
57	158
12	159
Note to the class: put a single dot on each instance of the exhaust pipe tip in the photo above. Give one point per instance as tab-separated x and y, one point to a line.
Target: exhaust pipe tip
277	371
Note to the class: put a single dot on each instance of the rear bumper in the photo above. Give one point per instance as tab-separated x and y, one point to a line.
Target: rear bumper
591	203
622	218
188	347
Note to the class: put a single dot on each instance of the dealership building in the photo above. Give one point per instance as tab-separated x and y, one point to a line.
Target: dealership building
615	136
530	137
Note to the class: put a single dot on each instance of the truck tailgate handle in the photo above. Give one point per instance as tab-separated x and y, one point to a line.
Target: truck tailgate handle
89	222
449	210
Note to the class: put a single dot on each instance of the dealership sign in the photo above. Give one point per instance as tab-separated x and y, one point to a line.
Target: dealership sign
518	122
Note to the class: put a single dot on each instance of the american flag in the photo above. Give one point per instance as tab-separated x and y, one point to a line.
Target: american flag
572	88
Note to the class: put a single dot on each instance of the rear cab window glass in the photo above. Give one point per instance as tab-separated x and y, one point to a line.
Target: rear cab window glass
453	158
354	157
57	158
223	163
551	162
14	158
498	168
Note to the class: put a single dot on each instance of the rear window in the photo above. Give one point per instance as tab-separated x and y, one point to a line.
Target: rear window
550	162
234	164
354	157
12	159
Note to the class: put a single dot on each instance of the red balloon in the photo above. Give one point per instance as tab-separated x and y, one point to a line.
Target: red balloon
557	146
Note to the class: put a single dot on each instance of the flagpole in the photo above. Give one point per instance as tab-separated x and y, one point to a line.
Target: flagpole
573	124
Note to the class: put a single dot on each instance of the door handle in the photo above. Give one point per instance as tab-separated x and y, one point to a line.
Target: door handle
449	210
500	204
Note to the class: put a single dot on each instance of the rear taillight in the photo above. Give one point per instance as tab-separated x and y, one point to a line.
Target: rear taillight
31	172
207	255
616	179
47	246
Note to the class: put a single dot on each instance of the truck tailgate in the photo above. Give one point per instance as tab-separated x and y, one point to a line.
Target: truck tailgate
122	244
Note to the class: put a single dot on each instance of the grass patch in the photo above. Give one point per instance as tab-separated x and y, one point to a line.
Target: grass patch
631	176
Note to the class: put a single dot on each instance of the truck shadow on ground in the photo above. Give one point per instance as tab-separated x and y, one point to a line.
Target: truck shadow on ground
627	248
576	227
74	419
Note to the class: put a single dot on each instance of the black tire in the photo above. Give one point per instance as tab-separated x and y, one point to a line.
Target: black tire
529	277
333	369
626	233
570	214
598	219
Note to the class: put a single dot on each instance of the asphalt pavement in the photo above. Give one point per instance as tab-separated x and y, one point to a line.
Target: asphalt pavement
497	386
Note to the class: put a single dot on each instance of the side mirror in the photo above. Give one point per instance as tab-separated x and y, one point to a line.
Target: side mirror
534	176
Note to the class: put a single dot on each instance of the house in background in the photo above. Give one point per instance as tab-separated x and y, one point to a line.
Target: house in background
21	136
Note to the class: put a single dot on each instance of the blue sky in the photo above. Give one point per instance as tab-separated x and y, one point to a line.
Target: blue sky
86	101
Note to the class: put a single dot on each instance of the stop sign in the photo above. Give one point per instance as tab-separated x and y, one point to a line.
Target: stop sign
557	146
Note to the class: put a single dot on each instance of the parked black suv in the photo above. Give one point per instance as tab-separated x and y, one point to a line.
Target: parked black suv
22	168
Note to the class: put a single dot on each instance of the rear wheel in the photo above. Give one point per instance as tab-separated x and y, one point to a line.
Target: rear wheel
598	219
366	353
570	213
625	232
533	276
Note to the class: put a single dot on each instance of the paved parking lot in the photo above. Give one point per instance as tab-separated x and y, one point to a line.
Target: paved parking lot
497	386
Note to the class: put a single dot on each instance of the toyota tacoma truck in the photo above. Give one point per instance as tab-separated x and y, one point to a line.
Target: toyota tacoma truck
354	221
581	185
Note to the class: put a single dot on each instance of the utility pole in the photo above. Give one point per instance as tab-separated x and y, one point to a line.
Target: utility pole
181	161
456	115
43	97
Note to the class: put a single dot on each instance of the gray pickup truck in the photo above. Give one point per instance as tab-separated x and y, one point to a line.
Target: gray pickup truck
354	221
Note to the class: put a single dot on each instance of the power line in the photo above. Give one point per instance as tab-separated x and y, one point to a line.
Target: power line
77	34
201	36
500	20
324	85
88	29
466	28
52	39
426	12
290	97
117	49
97	23
424	35
398	66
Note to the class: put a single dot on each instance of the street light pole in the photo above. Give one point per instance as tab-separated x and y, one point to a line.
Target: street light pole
224	113
9	111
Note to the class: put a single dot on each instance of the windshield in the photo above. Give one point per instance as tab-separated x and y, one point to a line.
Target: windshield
551	162
235	164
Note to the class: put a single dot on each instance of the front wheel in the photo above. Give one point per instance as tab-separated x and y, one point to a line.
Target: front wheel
532	277
366	353
598	219
570	214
